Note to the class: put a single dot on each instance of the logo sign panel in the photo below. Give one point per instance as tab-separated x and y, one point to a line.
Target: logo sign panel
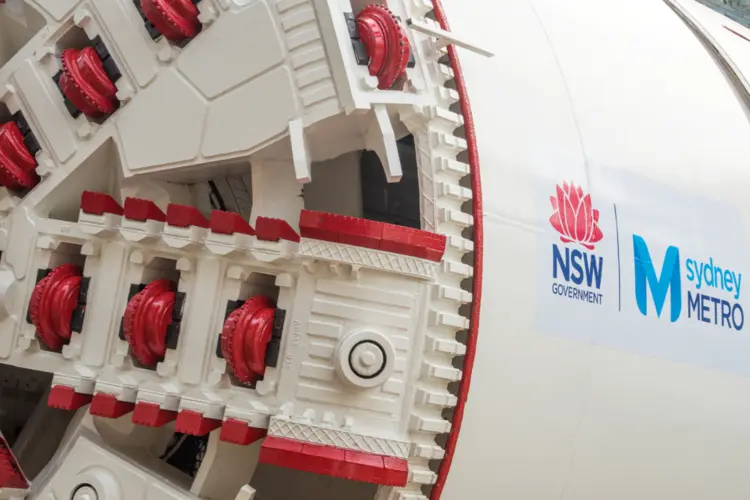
652	270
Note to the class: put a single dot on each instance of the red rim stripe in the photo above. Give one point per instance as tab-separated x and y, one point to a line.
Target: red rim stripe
476	188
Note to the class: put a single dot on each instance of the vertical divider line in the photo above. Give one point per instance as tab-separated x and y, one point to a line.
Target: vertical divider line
619	276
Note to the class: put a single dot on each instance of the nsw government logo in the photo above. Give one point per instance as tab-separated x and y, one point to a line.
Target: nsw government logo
576	269
711	294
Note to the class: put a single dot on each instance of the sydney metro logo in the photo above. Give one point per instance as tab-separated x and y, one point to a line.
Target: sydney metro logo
577	274
724	312
669	280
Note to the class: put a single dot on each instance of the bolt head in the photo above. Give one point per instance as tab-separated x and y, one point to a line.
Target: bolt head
367	359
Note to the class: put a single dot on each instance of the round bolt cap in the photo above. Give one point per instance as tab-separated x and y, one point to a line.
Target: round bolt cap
85	492
367	359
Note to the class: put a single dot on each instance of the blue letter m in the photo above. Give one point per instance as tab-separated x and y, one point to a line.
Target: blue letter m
645	276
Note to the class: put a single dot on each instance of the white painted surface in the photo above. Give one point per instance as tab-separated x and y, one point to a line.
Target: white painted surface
576	89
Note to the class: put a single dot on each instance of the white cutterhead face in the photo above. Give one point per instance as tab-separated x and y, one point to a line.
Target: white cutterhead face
250	231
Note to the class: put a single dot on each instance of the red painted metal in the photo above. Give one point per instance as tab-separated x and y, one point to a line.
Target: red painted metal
152	415
372	234
229	223
142	210
269	229
99	204
17	164
239	432
245	337
108	406
386	43
185	216
336	462
11	475
147	317
177	20
64	397
52	303
194	423
85	83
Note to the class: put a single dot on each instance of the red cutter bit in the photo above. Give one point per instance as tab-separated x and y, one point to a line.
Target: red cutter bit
147	317
11	475
245	337
52	303
177	20
386	43
85	83
17	164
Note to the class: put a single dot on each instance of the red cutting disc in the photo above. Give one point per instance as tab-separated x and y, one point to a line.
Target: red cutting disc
52	303
177	20
11	475
146	319
245	337
85	83
386	43
17	164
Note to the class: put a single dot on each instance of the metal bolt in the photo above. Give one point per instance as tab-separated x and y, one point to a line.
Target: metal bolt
85	492
367	359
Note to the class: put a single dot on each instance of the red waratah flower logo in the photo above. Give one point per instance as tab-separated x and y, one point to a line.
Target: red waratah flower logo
574	217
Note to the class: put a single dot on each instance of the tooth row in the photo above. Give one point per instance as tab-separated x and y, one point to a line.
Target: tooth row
435	131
